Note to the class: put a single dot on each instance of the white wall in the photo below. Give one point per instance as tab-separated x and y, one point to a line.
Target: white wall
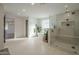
20	27
1	27
52	21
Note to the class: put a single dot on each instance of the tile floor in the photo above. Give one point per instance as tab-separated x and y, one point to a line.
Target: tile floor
31	46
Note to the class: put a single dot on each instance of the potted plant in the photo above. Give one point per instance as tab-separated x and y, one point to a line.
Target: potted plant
37	30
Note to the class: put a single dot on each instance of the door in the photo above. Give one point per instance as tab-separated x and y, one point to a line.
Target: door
9	28
26	28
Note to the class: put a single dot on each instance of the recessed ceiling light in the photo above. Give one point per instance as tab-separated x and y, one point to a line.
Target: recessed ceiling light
33	3
66	6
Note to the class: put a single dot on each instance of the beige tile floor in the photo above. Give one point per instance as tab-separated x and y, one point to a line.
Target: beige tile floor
31	46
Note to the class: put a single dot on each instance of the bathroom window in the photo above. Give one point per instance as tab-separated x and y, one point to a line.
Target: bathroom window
45	23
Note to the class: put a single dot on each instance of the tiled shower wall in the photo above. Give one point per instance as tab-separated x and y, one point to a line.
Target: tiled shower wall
65	37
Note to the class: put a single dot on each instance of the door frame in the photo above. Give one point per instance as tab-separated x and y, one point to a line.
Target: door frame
4	28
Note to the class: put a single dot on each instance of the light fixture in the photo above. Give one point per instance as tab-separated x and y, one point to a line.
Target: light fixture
33	3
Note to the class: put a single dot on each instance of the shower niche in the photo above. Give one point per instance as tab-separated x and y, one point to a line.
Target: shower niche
67	24
67	28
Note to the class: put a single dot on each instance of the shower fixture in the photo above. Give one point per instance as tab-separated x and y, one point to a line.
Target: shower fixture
67	13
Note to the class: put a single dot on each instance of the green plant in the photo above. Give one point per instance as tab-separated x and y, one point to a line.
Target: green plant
37	29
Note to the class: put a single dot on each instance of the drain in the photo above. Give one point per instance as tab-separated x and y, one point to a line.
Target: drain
75	52
73	47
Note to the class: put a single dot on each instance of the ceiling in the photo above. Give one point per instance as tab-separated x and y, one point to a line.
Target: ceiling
38	10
